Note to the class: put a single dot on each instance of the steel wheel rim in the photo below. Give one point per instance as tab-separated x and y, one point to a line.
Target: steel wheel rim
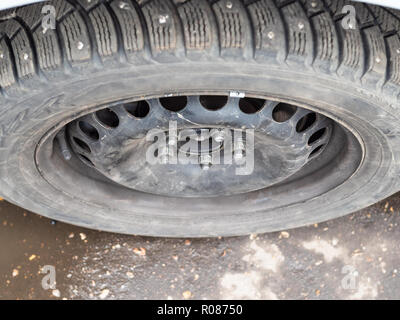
115	141
141	201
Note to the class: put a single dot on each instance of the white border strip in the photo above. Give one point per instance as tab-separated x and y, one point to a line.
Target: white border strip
6	4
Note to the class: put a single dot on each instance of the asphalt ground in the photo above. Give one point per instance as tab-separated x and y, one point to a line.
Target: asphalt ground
354	257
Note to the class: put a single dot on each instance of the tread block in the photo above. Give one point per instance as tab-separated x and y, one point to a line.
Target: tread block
233	25
7	77
131	28
160	21
196	24
392	86
336	6
313	7
377	59
364	15
10	27
352	47
287	32
48	50
75	38
32	15
327	46
269	33
105	33
23	54
300	39
393	46
386	20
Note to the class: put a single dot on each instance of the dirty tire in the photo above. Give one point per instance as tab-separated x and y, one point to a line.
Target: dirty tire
103	50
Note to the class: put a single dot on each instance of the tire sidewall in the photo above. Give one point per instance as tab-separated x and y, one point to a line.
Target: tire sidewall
25	121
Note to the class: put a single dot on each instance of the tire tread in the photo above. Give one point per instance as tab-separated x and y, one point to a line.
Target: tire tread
300	33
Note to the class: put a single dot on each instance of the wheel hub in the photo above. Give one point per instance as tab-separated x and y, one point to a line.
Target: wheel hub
199	146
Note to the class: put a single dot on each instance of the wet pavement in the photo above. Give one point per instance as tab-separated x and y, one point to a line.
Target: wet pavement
355	257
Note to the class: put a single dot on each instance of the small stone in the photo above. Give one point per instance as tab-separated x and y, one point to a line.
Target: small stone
253	236
188	242
187	295
314	4
229	5
130	275
32	257
83	236
26	56
15	273
56	293
104	294
71	235
301	25
271	35
139	252
319	262
284	234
